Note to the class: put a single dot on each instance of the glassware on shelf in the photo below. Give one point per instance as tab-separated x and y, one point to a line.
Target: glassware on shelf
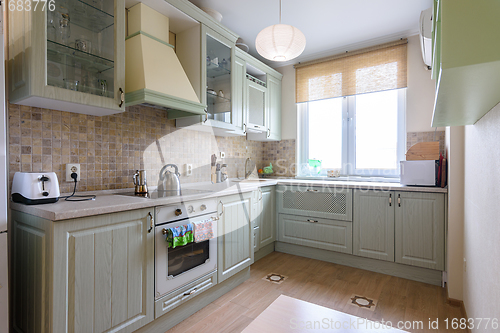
103	86
64	25
83	45
223	64
72	84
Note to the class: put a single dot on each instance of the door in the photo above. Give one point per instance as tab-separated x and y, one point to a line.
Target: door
373	224
104	273
235	247
420	229
315	232
274	108
267	217
255	107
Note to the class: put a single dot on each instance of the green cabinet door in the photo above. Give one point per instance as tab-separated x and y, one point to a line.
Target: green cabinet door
373	224
235	238
104	273
419	229
274	108
267	216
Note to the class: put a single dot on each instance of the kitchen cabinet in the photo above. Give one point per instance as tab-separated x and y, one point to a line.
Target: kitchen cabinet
218	65
466	60
323	202
91	274
235	235
263	217
267	216
71	58
420	229
315	232
262	100
402	227
373	224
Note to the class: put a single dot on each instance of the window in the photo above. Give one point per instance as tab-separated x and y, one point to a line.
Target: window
351	112
360	135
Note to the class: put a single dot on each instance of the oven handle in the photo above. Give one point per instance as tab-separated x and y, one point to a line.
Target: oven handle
151	226
191	292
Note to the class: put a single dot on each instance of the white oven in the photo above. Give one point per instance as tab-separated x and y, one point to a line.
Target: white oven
176	267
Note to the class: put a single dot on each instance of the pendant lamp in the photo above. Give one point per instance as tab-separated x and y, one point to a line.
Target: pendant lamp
280	42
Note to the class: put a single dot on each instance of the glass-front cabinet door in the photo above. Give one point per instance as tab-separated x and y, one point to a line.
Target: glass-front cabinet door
218	74
69	55
80	46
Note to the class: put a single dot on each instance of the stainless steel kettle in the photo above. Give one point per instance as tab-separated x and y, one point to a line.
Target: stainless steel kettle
169	181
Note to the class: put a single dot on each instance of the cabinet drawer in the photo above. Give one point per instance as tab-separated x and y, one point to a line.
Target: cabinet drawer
184	294
315	232
325	202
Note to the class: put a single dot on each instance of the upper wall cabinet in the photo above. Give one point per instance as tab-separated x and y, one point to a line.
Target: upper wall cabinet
262	100
466	60
217	86
68	56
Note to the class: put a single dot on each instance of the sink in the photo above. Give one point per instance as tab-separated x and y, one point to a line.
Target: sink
249	180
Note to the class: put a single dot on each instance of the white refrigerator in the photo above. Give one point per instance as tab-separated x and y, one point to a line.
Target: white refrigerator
4	276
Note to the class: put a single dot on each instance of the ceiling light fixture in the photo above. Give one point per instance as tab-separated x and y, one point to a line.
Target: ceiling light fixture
280	42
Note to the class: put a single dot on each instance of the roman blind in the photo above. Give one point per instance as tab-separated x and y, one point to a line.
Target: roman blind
377	68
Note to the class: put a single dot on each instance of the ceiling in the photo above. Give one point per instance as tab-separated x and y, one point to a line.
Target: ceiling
330	26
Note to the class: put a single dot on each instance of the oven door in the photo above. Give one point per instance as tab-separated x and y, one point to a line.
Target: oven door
183	264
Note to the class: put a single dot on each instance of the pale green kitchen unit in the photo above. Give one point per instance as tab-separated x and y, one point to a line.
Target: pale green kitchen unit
373	224
70	57
466	60
420	229
262	100
90	274
235	239
263	217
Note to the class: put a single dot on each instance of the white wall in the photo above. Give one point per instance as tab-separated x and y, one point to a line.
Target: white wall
420	95
454	141
482	217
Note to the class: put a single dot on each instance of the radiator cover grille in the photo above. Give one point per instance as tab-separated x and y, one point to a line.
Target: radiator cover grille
326	202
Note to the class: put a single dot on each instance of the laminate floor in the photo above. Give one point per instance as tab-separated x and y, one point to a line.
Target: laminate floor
329	285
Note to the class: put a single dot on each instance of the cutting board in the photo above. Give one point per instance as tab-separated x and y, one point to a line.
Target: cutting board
423	151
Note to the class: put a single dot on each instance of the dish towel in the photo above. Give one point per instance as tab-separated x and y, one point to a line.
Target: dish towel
203	230
180	235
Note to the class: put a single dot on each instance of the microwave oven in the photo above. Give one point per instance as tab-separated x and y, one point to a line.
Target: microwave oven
422	173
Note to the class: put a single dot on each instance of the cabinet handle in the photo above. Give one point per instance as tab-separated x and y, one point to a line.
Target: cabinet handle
191	292
268	132
222	210
206	115
310	190
390	200
122	97
164	231
244	128
312	221
399	200
151	226
260	191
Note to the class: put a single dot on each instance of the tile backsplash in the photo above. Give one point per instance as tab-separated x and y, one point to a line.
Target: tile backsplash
110	148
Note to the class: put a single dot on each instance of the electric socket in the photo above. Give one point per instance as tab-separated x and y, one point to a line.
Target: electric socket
222	154
70	168
189	170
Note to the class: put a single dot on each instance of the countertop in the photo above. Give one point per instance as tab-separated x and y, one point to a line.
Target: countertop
111	201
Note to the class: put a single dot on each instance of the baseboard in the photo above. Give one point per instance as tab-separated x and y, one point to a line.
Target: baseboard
457	303
385	267
172	318
264	251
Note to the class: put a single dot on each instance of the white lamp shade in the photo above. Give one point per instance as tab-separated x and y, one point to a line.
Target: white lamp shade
280	42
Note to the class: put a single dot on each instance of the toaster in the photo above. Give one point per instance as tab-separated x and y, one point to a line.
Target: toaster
33	188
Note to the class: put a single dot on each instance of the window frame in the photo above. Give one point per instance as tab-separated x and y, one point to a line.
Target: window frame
349	140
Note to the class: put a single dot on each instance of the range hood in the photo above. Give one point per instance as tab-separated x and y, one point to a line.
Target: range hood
153	74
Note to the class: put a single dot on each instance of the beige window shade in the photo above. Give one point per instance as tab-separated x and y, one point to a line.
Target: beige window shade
377	68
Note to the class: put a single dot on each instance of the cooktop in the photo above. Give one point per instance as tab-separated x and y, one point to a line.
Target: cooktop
165	194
